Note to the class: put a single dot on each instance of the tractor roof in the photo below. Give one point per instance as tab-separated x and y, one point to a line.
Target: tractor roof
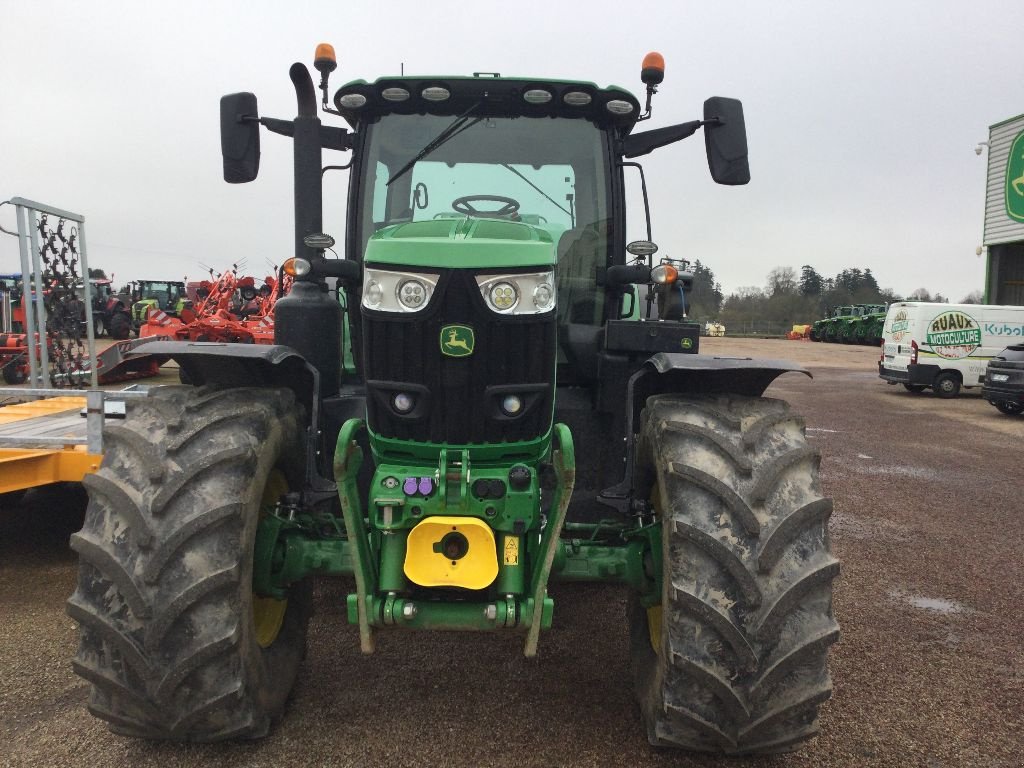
490	96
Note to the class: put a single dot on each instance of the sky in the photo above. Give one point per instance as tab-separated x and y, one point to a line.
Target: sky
862	120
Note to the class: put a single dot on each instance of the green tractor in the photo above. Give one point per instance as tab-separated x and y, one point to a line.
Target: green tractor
832	325
498	393
846	326
867	329
166	295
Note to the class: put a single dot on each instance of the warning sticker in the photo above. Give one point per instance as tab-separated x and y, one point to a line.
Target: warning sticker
511	550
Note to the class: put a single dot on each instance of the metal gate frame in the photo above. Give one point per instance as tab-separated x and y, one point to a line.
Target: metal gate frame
27	211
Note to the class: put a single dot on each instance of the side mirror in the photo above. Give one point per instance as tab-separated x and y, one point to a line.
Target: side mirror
239	138
725	138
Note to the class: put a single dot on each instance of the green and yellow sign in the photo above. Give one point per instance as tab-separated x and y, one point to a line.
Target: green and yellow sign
953	335
457	341
1015	179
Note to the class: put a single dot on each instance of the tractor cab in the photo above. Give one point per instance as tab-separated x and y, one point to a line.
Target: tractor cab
167	296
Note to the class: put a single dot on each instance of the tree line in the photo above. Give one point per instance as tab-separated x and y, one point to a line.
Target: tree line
789	297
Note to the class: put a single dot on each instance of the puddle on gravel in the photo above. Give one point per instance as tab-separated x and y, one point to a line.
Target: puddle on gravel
866	527
900	470
937	604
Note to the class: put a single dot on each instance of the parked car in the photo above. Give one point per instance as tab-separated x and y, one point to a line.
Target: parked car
1004	380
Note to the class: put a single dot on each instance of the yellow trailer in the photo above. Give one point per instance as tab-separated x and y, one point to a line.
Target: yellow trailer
57	437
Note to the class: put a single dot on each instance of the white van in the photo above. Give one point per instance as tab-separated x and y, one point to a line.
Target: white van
945	346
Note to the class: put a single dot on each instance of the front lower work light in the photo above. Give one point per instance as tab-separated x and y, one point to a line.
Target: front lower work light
525	293
403	402
511	405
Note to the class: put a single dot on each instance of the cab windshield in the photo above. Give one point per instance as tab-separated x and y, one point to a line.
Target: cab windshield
554	170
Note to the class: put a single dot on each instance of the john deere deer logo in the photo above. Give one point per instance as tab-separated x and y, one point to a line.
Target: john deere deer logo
457	340
1015	180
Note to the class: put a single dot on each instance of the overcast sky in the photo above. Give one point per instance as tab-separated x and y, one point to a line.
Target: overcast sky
862	120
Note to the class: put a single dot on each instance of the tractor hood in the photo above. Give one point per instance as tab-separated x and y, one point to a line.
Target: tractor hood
462	243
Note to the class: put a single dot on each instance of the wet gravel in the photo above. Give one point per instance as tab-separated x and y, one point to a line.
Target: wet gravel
929	671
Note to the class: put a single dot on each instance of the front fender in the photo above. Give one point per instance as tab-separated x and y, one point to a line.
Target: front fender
242	365
674	372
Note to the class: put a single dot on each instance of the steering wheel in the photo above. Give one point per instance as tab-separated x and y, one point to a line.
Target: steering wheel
464	205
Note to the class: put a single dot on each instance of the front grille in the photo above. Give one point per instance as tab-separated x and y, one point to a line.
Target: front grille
458	399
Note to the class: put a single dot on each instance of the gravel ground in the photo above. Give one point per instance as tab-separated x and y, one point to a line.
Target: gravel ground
928	672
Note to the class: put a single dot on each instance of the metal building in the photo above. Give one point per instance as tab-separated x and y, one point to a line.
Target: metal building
1004	213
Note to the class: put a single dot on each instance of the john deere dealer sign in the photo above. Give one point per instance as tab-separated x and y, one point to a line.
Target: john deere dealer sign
1004	200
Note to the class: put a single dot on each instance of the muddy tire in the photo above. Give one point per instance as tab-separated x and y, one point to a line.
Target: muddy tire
164	602
734	660
915	388
1010	409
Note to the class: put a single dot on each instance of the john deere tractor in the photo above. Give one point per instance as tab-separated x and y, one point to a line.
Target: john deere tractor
491	392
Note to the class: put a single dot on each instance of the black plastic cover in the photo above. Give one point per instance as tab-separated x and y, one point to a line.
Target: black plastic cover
725	138
239	139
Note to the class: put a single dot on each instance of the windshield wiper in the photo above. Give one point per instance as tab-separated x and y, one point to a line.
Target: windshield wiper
457	126
554	202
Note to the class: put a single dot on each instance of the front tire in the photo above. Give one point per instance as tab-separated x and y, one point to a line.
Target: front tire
946	385
97	327
734	659
172	640
915	388
1010	409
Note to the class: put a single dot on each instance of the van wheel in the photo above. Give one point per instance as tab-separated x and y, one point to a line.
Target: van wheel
1010	409
915	388
946	385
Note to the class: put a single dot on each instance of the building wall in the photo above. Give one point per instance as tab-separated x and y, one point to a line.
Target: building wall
1004	206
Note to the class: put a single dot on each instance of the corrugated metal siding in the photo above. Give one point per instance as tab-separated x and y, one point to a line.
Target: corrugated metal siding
1000	228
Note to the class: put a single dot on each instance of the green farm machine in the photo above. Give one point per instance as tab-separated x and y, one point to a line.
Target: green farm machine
854	324
491	392
165	295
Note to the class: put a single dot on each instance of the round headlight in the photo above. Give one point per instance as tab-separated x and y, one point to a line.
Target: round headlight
373	293
403	403
503	296
512	404
542	296
412	294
